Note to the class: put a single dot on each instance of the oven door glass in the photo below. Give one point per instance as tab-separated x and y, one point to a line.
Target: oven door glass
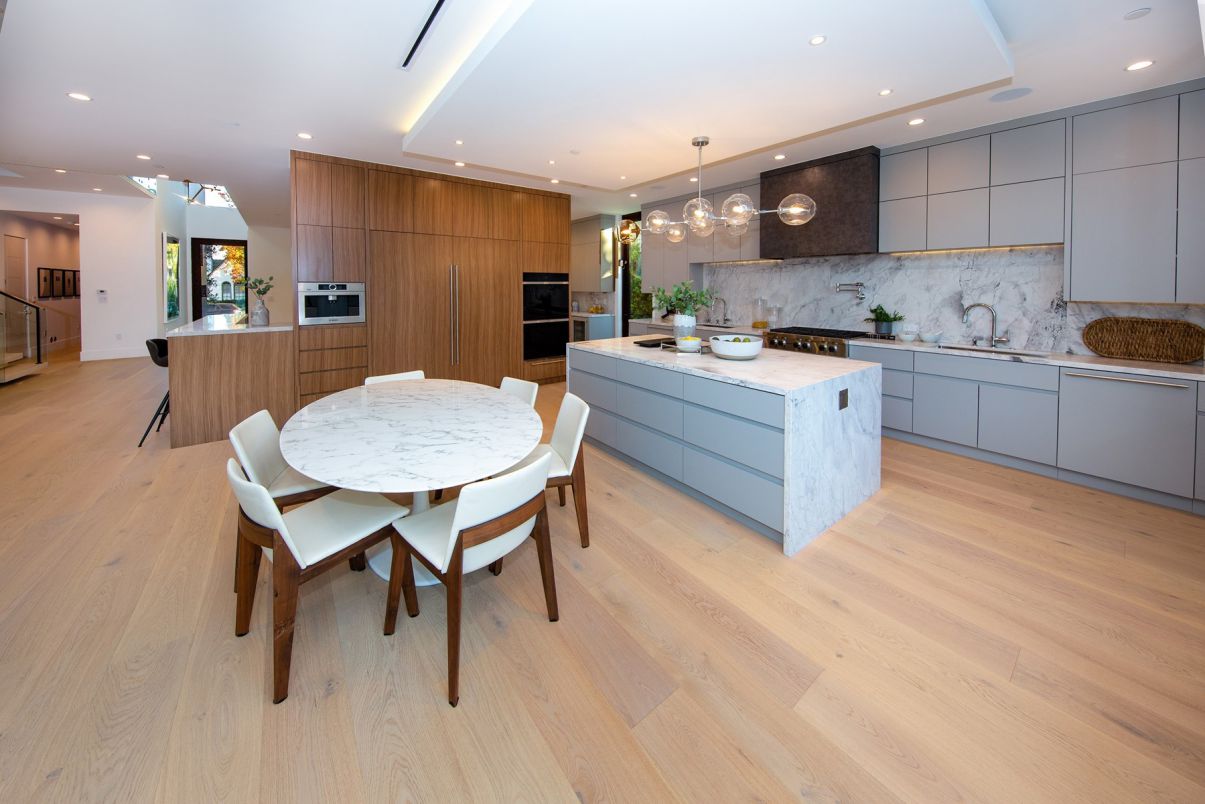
546	339
332	305
542	301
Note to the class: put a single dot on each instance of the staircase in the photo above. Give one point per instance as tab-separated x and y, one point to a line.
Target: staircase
22	337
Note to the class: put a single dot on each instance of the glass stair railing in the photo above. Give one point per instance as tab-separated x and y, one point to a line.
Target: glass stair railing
22	338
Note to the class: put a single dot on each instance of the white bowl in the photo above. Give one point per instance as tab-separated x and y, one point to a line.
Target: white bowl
689	344
931	337
906	337
727	347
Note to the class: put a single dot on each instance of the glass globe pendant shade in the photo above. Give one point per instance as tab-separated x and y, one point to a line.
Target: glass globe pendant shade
656	221
675	232
738	209
697	214
705	228
628	232
796	209
736	229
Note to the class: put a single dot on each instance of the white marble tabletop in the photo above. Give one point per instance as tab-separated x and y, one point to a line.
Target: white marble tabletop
223	325
410	436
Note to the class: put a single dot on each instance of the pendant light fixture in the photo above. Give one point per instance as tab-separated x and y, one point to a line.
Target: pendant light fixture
737	211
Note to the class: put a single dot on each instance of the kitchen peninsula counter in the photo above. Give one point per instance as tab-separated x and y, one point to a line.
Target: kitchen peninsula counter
785	443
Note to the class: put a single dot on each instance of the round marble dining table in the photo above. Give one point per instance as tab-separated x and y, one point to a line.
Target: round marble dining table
409	436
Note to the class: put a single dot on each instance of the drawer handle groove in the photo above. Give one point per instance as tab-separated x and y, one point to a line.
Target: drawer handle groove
1125	379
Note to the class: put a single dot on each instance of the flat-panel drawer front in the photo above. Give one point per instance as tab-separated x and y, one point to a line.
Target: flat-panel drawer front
329	359
753	495
897	359
663	381
1019	422
600	426
983	369
337	337
651	410
897	383
746	442
319	382
946	408
601	365
650	448
760	406
598	392
897	413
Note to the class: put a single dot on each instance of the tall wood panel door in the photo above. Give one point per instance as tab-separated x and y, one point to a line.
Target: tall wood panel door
347	196
390	201
312	192
489	314
544	218
451	208
409	307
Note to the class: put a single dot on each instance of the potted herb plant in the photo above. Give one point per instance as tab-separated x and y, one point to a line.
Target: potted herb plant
260	287
684	302
884	322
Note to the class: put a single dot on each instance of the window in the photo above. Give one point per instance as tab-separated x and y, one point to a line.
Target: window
227	292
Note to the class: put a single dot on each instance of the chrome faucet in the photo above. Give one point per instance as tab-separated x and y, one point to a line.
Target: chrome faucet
966	318
719	310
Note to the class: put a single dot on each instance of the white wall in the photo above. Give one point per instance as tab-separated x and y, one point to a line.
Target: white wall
47	246
119	252
220	223
269	253
171	217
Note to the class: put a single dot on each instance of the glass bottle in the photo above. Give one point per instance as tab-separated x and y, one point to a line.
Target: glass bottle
761	313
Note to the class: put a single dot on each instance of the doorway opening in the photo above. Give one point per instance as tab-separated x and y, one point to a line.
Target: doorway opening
219	275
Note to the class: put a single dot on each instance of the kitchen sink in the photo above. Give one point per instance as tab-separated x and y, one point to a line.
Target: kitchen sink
715	325
991	350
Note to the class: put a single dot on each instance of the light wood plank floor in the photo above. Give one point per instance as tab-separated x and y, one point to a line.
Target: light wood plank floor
970	633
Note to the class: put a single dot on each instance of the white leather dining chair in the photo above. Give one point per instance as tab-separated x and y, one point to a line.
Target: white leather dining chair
405	375
303	543
489	519
568	466
256	442
523	389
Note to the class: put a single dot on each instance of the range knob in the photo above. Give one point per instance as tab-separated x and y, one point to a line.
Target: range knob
832	348
807	345
799	345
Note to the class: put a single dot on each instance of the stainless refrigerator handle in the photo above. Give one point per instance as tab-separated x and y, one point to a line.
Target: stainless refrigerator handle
456	273
1125	379
451	316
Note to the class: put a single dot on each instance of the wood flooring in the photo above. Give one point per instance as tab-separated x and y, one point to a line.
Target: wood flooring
970	633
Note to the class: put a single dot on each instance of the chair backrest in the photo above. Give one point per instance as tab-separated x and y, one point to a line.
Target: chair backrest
256	442
485	500
405	375
521	388
569	428
158	350
257	504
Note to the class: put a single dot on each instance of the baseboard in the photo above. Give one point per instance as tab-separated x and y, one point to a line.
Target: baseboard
972	452
113	354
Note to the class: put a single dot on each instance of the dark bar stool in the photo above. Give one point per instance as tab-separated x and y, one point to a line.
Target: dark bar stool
158	349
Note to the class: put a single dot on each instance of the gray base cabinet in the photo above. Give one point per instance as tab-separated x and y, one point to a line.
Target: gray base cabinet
1020	422
1133	429
946	408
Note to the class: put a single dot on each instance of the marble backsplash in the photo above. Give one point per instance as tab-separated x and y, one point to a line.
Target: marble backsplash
1025	285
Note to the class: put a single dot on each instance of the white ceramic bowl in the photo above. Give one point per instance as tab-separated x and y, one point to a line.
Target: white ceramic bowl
931	337
727	347
689	344
906	337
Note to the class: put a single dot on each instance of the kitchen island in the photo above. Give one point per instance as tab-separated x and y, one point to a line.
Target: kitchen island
786	443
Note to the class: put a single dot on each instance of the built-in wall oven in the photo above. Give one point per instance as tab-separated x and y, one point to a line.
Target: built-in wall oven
330	303
545	315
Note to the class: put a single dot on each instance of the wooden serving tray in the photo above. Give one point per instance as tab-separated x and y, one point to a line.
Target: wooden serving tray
1166	340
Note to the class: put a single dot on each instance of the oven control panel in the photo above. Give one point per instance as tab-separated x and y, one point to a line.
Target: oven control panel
806	344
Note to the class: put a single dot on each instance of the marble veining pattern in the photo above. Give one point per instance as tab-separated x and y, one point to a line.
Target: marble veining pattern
412	435
1025	285
223	325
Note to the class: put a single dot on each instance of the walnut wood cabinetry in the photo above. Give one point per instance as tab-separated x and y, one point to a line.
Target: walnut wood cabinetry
330	359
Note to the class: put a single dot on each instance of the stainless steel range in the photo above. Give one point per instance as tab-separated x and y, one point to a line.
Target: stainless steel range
810	340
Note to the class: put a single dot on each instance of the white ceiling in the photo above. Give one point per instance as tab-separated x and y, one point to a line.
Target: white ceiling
65	220
217	91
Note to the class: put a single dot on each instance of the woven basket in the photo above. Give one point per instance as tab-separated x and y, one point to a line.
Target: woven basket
1165	340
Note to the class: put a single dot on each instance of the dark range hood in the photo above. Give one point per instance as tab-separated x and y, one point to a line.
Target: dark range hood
845	188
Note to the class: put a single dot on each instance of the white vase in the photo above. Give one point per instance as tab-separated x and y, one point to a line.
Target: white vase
684	325
259	313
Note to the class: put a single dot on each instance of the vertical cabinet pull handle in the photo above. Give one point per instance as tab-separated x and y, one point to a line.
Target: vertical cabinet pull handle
451	316
456	273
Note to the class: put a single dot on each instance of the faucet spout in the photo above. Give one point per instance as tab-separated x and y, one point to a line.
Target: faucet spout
966	318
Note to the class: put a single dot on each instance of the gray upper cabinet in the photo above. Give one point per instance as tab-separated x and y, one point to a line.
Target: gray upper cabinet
1029	153
903	175
1123	235
1027	213
961	165
1190	257
958	220
1138	134
1192	125
902	224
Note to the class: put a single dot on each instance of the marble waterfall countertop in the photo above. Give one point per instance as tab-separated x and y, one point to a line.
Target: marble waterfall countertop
1177	371
774	371
223	325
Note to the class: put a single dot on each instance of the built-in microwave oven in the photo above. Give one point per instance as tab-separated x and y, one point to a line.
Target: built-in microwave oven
330	303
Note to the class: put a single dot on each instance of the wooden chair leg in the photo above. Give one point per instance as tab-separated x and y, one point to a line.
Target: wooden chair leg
395	582
544	549
285	580
454	579
579	497
496	567
238	546
438	495
245	578
409	590
560	495
358	562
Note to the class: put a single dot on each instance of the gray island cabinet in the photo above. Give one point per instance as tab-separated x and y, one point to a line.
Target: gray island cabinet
787	444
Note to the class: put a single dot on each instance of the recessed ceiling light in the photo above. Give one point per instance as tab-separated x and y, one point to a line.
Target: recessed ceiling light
97	190
460	164
779	157
623	178
58	217
1139	65
916	121
144	157
304	135
631	195
818	39
1136	14
552	161
556	181
59	170
161	176
79	96
884	93
460	142
694	179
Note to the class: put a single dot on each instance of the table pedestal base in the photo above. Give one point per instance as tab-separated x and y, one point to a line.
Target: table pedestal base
380	557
